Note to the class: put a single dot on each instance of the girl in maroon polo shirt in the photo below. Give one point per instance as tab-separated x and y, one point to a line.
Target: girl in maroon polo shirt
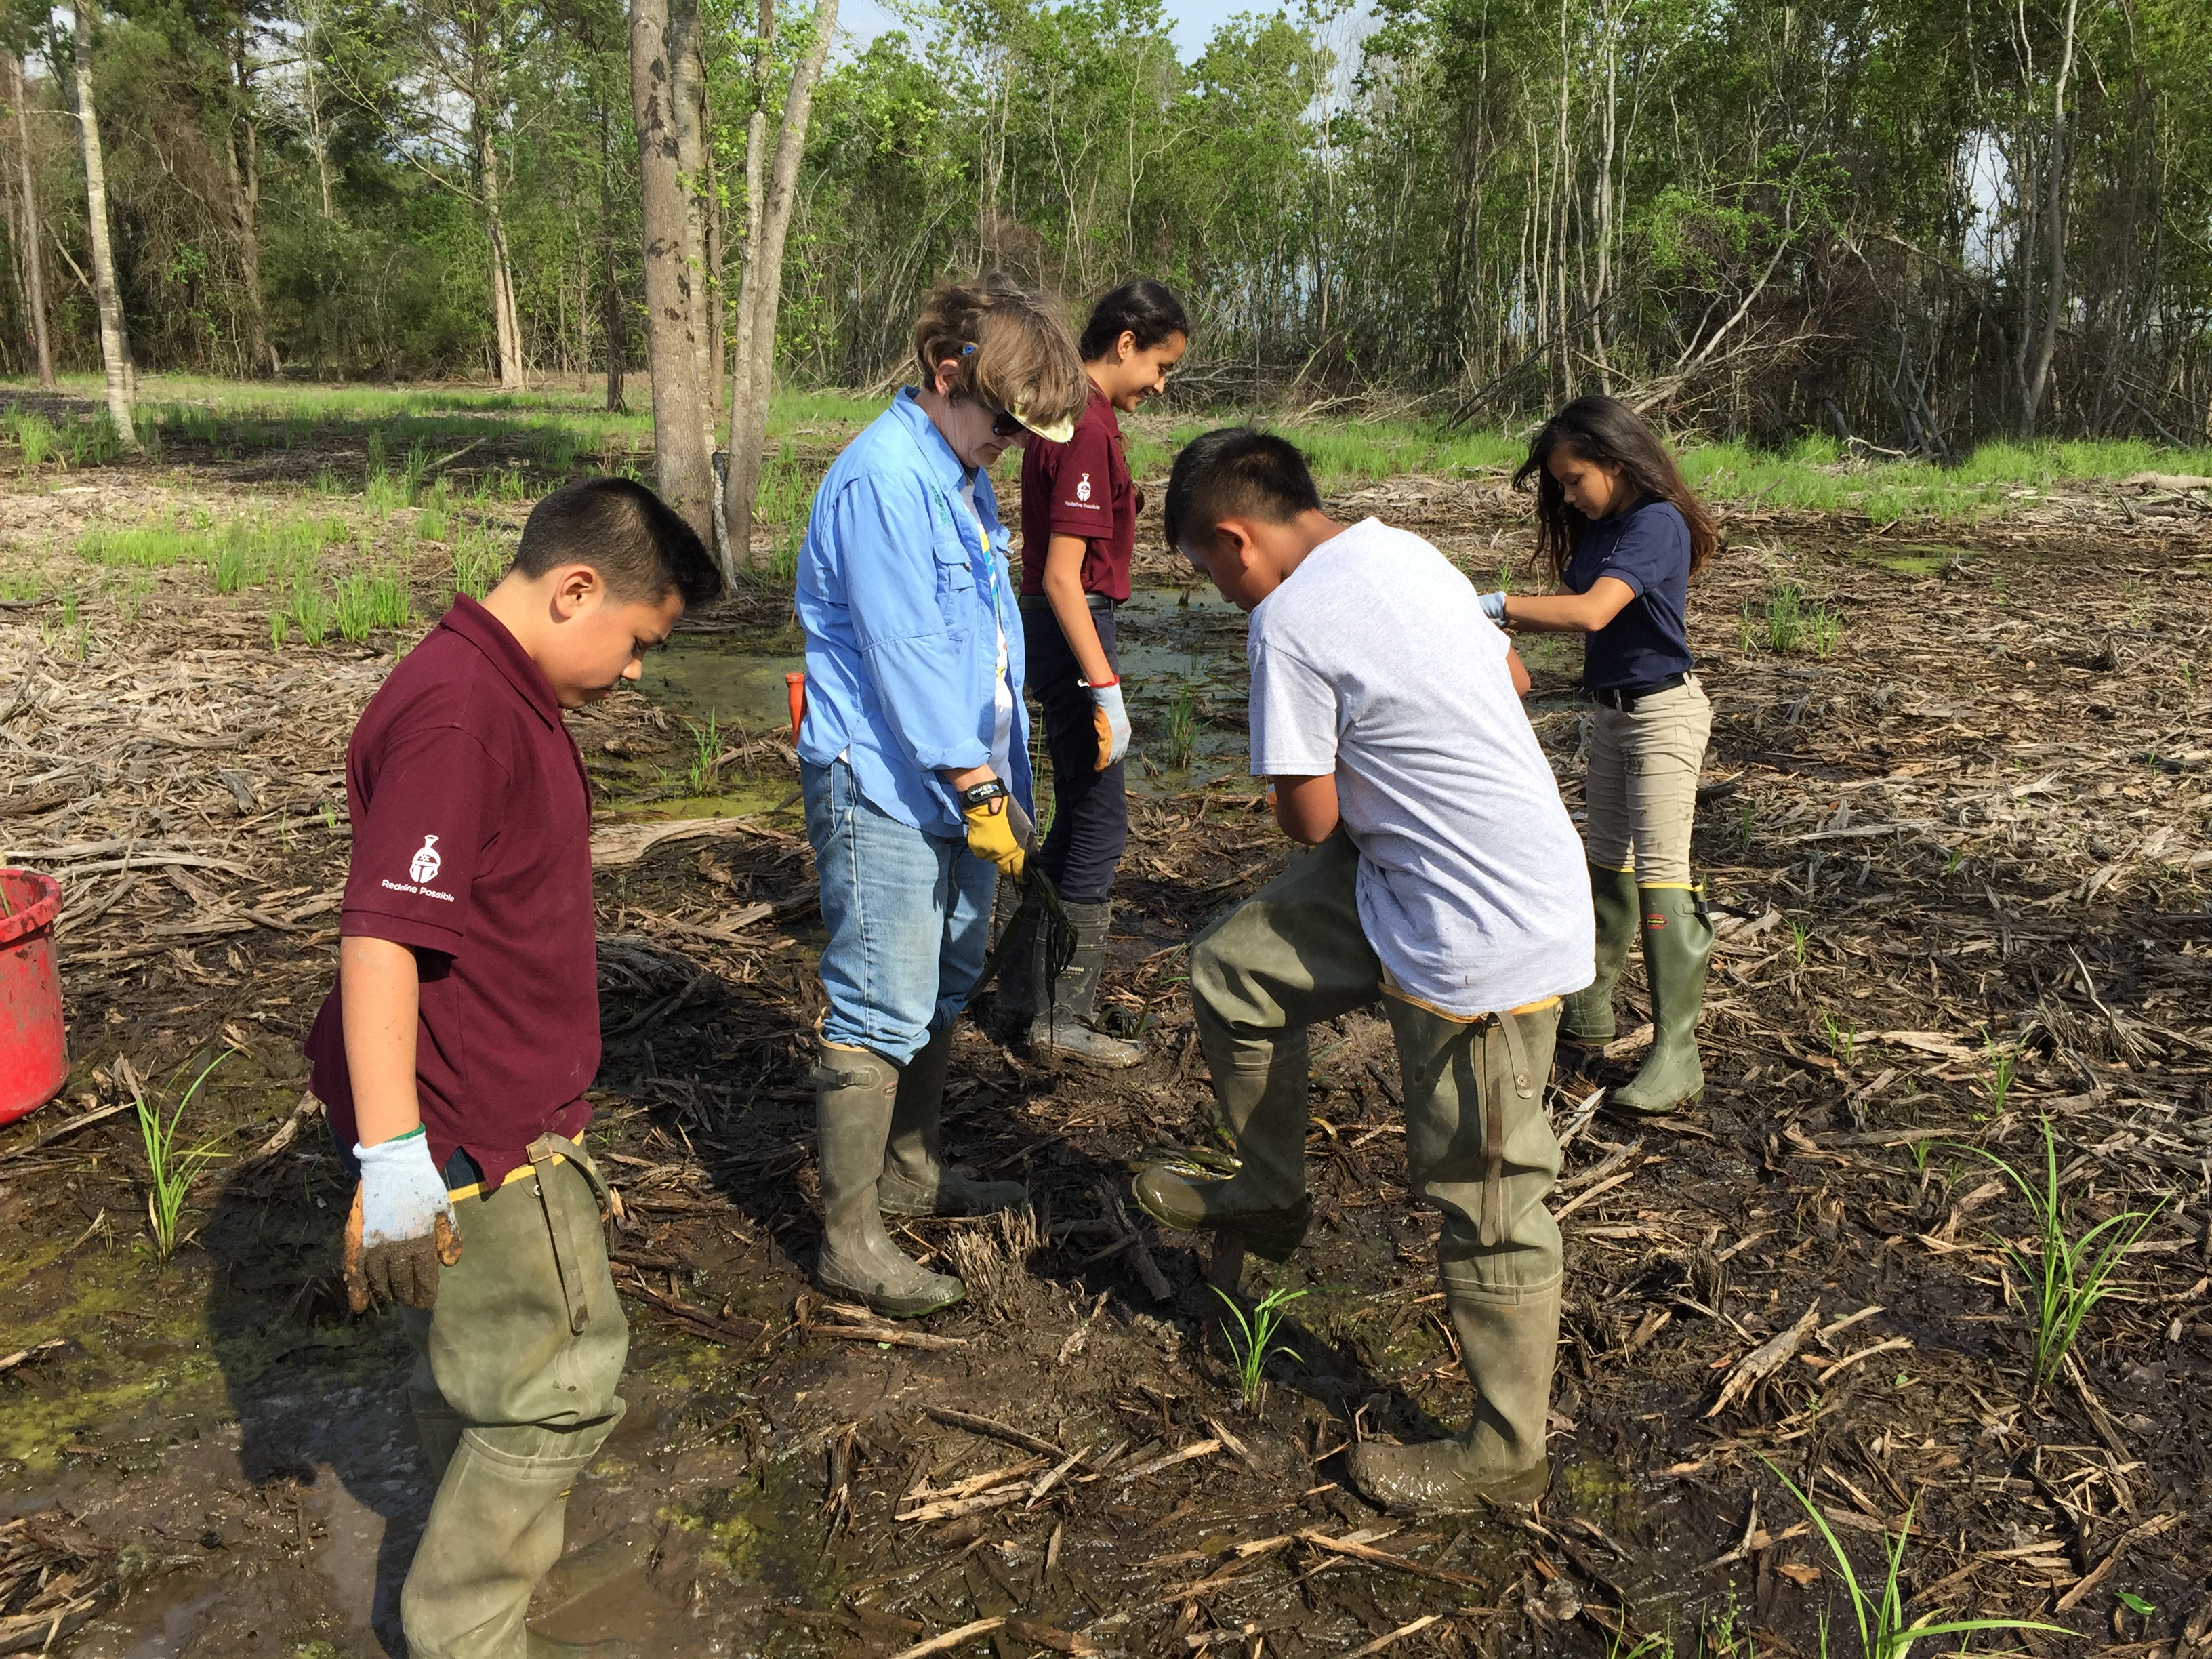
1079	529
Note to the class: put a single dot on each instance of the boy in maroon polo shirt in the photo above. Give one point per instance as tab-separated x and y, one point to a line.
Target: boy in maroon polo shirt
455	1050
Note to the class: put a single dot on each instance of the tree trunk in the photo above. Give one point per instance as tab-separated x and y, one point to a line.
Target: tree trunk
761	293
681	460
508	330
2035	382
318	140
242	157
692	147
34	276
114	339
611	329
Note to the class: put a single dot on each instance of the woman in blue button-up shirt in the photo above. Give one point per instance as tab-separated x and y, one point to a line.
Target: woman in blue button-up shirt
914	758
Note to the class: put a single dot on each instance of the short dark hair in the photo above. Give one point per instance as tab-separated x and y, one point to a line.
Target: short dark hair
1236	472
637	541
1146	308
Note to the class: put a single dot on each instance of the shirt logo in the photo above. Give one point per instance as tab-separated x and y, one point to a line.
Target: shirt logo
1083	490
424	866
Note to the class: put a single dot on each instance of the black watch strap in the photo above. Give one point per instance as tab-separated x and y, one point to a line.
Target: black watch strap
978	794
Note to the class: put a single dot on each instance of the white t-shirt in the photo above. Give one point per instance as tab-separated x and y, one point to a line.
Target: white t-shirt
1002	691
1374	661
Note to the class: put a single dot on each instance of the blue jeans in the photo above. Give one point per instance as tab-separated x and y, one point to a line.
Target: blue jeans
908	915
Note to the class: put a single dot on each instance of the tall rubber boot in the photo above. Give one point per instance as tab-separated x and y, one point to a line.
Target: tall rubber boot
916	1181
495	1529
1062	1023
1510	1348
1678	944
1261	1091
1587	1020
855	1091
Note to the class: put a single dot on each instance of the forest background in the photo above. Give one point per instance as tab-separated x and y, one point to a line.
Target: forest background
1915	224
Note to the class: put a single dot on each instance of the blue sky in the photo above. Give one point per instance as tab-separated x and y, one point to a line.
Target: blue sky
1193	21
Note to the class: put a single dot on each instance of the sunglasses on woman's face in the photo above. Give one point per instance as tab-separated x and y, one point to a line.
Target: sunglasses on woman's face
1004	425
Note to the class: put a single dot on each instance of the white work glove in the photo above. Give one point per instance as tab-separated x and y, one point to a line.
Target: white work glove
1493	605
1112	720
402	1228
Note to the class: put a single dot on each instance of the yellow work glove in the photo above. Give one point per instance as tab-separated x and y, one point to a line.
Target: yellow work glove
991	826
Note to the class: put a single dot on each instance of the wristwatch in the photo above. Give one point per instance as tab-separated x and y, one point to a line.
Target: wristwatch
981	794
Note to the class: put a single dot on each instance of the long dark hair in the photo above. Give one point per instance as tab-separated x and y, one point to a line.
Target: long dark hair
1146	308
1608	432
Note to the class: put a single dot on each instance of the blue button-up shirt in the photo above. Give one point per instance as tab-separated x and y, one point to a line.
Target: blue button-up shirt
902	608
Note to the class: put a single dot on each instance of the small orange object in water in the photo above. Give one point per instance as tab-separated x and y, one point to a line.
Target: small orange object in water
795	687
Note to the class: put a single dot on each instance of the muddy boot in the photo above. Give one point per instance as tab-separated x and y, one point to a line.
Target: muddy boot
1587	1021
854	1093
493	1531
1678	943
622	1552
1062	1025
1510	1348
916	1180
1262	1088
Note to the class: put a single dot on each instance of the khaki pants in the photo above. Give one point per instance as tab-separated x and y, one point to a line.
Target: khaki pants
1477	1144
1642	787
512	1392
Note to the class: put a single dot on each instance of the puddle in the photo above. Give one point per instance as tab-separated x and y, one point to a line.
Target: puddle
741	689
1917	559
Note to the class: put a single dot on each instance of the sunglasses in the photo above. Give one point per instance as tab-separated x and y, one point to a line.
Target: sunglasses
1004	425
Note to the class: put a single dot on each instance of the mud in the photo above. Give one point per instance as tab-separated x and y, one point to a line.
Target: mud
1972	830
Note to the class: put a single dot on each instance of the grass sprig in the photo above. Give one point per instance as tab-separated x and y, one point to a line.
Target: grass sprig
1252	1342
171	1170
2066	1274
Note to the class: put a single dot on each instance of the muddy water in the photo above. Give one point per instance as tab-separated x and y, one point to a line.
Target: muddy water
1178	645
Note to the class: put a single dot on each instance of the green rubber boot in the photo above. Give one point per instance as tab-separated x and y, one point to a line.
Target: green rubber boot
1263	1100
916	1180
1678	944
854	1090
1587	1020
1510	1348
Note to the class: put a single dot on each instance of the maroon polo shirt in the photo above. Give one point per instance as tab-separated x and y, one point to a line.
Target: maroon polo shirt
1081	488
473	844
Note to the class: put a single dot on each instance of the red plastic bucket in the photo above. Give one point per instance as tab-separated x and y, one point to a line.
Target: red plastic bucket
34	1043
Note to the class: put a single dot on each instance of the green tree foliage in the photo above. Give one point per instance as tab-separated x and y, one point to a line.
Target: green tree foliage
1866	219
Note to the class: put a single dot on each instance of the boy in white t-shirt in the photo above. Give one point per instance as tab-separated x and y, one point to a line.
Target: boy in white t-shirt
1446	881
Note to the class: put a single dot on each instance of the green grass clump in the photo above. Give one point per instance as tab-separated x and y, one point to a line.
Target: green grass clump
1182	727
477	566
171	1170
35	436
1884	1632
436	517
146	546
1252	1340
364	604
2066	1274
310	613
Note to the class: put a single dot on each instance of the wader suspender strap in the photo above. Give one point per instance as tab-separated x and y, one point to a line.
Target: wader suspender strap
1493	1129
570	1252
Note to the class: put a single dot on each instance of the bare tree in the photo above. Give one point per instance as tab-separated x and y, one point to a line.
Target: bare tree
242	155
34	276
761	291
2038	347
661	34
114	340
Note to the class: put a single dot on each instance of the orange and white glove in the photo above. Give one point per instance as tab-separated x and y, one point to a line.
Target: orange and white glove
1111	719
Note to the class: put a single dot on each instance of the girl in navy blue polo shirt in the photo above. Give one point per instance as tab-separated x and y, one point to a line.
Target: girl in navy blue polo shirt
1624	535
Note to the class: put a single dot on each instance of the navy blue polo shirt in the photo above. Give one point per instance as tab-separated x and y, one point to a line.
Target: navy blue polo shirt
1648	547
473	845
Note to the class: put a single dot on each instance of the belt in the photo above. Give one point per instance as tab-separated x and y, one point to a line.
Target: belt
1625	697
1040	602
